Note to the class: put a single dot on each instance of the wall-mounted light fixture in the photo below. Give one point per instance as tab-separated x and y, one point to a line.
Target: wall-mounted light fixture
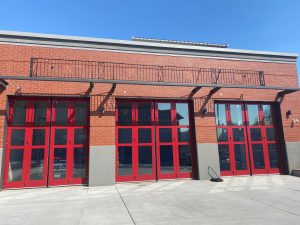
294	121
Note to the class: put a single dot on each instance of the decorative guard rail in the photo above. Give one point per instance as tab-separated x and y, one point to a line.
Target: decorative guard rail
61	68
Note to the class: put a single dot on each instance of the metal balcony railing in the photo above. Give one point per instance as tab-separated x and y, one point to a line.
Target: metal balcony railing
136	73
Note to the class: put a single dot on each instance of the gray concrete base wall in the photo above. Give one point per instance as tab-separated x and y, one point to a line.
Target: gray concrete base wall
1	167
102	165
208	156
293	155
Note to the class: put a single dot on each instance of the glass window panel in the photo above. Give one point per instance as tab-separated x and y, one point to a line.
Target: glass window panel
145	160
222	134
125	160
258	156
224	159
164	114
238	134
145	135
40	113
166	159
253	115
81	113
124	113
185	160
15	169
165	134
80	136
236	114
60	163
270	134
61	113
37	164
60	137
17	137
268	117
183	134
38	137
182	114
255	134
79	166
220	112
124	135
240	157
19	117
144	113
273	155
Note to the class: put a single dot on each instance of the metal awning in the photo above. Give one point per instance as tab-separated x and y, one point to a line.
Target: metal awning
83	80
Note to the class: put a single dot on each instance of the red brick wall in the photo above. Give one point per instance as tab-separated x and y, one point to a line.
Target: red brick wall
14	60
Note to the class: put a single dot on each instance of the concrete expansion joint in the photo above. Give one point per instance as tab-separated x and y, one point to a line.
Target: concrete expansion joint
125	205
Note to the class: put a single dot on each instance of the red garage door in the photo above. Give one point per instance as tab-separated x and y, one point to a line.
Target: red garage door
47	142
154	140
247	139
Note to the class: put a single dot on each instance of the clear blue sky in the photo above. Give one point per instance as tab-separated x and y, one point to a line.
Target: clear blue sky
272	25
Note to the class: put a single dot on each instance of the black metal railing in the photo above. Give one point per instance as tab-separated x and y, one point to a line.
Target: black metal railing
93	70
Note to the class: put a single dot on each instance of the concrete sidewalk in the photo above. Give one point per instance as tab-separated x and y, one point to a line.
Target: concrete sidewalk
238	200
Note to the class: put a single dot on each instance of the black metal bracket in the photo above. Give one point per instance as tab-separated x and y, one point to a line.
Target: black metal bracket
193	92
210	94
3	83
101	107
90	89
280	95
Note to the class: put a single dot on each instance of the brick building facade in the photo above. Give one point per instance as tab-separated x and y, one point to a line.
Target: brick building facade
109	110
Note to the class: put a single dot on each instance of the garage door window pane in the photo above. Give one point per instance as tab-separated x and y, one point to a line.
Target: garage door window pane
258	156
240	157
40	111
185	160
220	114
273	155
124	160
268	117
145	160
253	115
124	113
182	114
124	135
224	157
15	165
79	165
37	164
166	159
17	137
19	117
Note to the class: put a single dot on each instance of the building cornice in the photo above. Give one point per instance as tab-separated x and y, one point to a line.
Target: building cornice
50	40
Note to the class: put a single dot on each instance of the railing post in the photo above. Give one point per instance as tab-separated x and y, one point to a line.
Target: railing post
261	78
31	69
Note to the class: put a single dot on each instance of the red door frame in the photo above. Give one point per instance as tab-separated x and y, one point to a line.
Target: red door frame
264	142
70	145
231	142
29	127
155	141
135	176
248	142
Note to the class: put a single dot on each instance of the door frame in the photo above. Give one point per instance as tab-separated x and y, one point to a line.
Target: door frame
155	154
27	147
248	141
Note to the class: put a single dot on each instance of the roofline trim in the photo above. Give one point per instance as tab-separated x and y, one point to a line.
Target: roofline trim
140	46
